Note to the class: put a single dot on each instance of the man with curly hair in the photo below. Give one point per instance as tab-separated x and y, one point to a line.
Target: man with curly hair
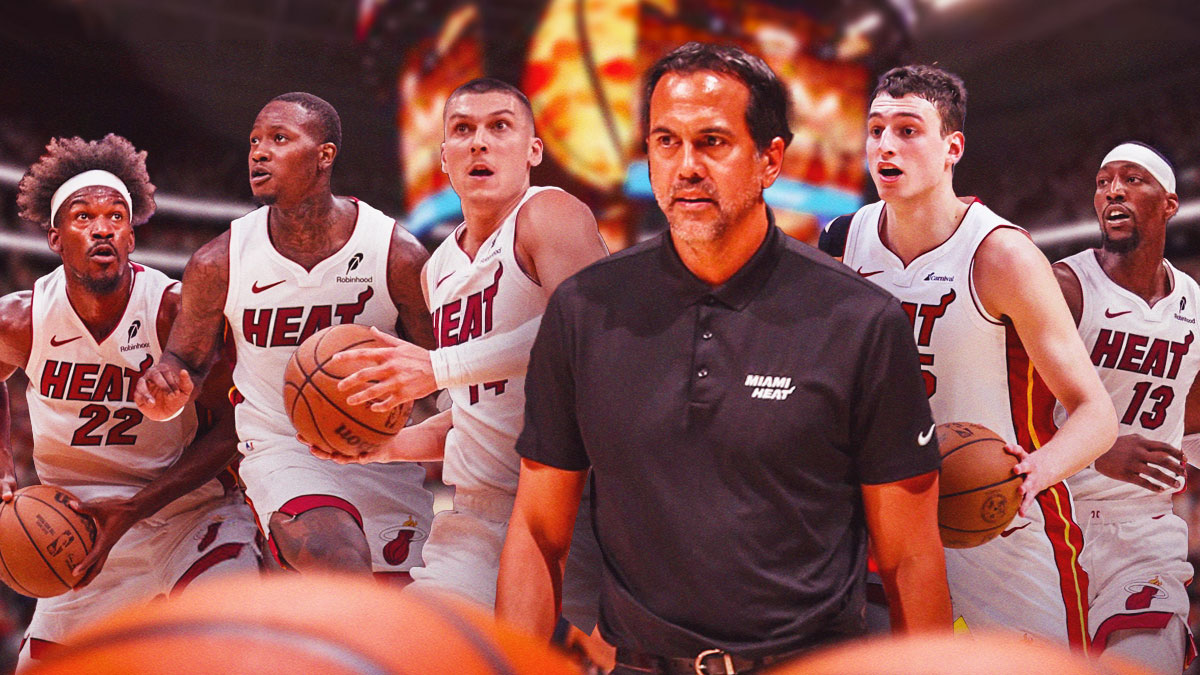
165	510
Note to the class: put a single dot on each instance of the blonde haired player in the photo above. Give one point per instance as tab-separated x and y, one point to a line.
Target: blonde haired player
1137	316
487	286
990	325
84	336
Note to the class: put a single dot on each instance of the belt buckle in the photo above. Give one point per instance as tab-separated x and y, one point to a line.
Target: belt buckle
701	669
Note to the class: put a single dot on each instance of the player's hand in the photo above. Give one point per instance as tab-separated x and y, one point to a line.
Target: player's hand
388	376
1153	465
113	519
1029	466
163	391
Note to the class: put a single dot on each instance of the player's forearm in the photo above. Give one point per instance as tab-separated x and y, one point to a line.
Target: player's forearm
529	588
424	442
8	469
499	357
199	463
1090	430
918	597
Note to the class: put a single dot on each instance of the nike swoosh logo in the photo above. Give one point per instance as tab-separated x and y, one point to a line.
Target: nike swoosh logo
439	281
924	437
1013	529
1112	315
255	288
868	274
55	342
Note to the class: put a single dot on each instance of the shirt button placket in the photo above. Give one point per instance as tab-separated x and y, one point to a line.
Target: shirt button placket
704	349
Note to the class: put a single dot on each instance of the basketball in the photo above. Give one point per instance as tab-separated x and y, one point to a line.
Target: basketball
41	540
319	410
978	493
310	623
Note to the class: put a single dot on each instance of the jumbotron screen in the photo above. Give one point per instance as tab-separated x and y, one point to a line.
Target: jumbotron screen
582	73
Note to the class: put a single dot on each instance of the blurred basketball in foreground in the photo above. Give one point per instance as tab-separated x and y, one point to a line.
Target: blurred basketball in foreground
979	494
319	411
42	540
312	623
946	654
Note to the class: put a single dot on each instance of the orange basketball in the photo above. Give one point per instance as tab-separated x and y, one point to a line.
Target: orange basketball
979	494
41	540
319	410
310	623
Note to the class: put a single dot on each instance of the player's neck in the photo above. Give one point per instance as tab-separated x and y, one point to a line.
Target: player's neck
912	227
483	218
1141	272
312	229
100	312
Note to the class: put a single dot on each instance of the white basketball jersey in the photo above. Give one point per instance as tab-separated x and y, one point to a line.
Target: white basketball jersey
89	437
1145	357
273	304
474	300
974	366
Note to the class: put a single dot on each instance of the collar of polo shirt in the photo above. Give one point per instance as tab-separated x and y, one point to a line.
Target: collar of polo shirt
741	288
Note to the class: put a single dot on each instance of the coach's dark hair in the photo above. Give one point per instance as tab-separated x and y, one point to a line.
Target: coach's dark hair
943	89
484	85
66	158
767	112
327	116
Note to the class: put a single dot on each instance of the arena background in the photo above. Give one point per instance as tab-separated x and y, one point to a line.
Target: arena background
1052	85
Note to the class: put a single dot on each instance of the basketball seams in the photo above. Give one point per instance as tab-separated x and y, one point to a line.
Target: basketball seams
970	443
21	522
982	487
319	367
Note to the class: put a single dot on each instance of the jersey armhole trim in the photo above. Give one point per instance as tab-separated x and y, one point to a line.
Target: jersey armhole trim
975	301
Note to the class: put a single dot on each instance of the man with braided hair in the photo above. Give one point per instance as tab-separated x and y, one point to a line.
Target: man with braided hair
166	510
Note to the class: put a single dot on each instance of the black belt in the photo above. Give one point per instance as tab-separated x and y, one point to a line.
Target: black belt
707	662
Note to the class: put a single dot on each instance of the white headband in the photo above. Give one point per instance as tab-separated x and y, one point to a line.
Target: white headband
94	177
1147	159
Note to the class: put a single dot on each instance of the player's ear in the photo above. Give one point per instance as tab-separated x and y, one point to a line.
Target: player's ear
772	161
535	151
53	239
956	145
442	158
1172	205
326	154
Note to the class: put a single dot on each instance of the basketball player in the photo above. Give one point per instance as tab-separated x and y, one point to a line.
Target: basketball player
986	313
84	335
1136	314
487	286
302	262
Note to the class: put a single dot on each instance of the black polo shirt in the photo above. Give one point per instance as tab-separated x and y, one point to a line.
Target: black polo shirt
729	430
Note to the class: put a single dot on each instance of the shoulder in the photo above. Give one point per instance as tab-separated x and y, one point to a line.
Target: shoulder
833	237
16	328
824	276
639	257
214	254
553	213
405	249
1006	249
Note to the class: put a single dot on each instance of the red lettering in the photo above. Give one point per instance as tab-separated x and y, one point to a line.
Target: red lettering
132	376
54	379
1131	356
109	387
1178	351
489	294
930	314
319	316
83	381
437	313
472	322
256	324
447	335
1108	348
286	321
910	308
347	313
1156	358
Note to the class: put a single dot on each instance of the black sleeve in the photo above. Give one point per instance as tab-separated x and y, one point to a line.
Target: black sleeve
833	237
892	419
551	434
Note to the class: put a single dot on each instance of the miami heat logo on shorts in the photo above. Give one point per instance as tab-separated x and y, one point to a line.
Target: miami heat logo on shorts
399	540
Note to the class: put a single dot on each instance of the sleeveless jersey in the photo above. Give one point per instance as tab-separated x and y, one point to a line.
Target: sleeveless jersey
974	366
473	300
89	437
1145	357
273	304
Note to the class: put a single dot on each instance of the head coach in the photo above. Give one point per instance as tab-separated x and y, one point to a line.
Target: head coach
750	410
